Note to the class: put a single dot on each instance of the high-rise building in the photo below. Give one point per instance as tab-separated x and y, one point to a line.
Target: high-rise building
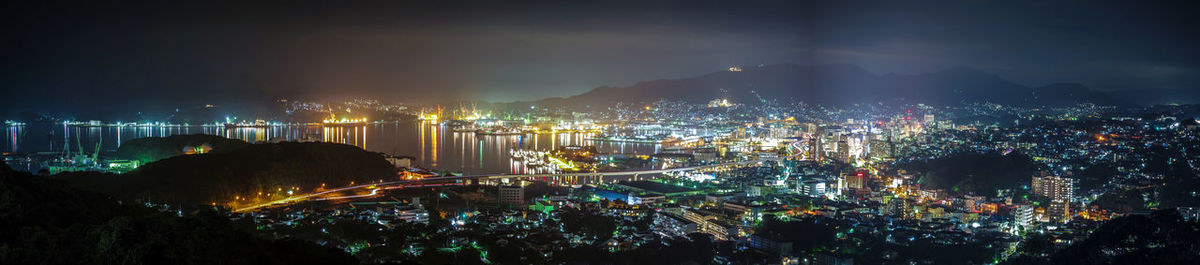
812	187
1059	211
1060	191
843	151
780	132
855	180
810	128
880	149
511	195
1023	217
816	148
1054	188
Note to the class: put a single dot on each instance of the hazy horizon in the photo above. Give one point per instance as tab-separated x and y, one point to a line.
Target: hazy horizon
168	55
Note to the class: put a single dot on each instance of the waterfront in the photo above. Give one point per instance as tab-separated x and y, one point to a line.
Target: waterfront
433	146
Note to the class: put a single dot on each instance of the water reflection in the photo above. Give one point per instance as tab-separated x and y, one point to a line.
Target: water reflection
432	145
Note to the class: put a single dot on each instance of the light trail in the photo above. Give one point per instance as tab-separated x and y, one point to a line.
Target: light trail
298	198
373	193
306	197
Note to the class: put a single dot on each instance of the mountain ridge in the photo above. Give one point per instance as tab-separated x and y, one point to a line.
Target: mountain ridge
839	84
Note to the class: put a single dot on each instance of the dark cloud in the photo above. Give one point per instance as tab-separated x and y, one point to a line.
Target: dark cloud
1104	45
169	53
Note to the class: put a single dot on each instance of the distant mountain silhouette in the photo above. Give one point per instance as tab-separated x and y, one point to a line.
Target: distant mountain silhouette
1159	96
840	84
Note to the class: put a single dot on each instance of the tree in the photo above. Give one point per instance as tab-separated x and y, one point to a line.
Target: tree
587	224
42	221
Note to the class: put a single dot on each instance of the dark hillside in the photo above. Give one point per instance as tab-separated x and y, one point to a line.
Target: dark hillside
43	221
219	176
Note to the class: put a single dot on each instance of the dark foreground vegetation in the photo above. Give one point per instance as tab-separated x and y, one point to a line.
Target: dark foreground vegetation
43	221
1162	237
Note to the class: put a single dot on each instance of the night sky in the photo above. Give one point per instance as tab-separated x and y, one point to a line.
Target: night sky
64	57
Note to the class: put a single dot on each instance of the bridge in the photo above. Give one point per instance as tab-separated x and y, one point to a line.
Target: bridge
375	187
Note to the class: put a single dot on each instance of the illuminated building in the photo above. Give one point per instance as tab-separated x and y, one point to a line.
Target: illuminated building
843	151
672	225
412	215
400	161
816	148
511	195
856	146
544	206
739	207
813	187
881	149
989	208
697	216
1039	214
720	230
709	223
790	260
1059	211
771	244
1054	188
893	207
1023	217
778	132
647	199
740	133
854	181
719	103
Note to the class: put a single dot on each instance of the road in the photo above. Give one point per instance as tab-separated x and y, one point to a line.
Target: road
374	190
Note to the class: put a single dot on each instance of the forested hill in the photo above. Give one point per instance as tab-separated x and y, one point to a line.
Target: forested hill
973	173
44	221
152	149
270	168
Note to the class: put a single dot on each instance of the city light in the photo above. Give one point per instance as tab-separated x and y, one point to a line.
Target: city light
601	133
